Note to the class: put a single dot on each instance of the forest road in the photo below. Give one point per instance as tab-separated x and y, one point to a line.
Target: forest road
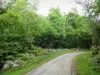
61	65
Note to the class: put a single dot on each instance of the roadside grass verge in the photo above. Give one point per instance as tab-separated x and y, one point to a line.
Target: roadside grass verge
83	65
38	61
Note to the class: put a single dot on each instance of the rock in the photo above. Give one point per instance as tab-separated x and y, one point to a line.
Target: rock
8	64
29	54
11	64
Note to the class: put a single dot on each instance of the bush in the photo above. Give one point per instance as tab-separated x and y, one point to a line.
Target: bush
21	28
13	38
95	50
23	56
10	57
38	51
96	63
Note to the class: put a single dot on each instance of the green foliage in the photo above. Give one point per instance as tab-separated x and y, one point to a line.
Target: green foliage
65	31
10	57
95	23
35	62
84	65
15	34
22	30
22	56
37	51
2	11
11	34
96	63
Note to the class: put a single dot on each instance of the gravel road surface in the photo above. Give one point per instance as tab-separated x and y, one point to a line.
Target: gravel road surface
61	65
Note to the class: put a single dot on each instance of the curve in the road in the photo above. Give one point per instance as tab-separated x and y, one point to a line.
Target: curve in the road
62	65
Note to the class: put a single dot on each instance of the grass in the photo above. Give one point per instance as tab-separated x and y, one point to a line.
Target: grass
39	62
83	65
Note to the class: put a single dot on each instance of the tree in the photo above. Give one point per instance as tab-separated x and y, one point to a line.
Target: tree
93	10
5	4
18	27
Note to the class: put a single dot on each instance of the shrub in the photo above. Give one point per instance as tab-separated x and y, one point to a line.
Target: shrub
22	56
96	63
10	57
38	51
95	58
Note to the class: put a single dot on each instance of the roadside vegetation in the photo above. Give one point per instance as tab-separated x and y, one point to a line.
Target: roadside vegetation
24	33
85	65
37	61
89	64
26	36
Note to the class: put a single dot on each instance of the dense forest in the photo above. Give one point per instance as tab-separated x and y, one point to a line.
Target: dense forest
23	30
